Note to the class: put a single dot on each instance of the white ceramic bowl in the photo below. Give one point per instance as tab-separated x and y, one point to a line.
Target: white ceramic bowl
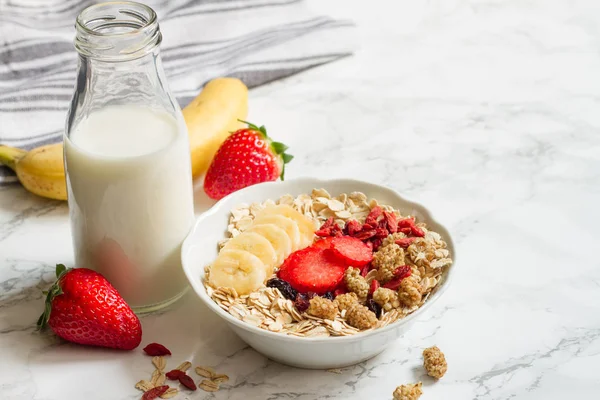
200	249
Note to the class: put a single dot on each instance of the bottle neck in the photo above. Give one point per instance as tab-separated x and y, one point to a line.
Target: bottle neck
117	32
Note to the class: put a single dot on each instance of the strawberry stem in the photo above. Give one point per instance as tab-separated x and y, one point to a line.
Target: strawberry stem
55	290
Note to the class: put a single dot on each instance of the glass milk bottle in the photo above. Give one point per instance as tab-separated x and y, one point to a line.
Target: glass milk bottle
127	158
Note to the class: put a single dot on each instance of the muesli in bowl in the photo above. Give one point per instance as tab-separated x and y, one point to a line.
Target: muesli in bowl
316	265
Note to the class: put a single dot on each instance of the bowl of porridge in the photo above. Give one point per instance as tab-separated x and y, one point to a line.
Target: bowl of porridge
318	273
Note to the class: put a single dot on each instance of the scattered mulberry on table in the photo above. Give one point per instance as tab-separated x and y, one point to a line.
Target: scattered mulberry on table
434	362
408	392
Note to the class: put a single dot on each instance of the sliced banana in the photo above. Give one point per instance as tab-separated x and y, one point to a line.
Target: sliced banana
279	239
306	226
237	269
256	244
288	225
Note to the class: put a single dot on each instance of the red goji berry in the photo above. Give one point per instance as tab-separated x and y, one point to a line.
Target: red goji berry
155	349
391	221
373	216
406	231
394	284
417	231
364	235
352	227
406	223
403	271
155	392
365	270
377	243
174	374
188	382
374	286
381	233
405	242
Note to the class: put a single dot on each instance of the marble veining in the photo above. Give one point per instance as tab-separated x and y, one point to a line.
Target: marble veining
485	111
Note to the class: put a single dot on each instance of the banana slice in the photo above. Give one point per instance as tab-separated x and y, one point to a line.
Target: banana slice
237	269
279	239
287	224
255	244
306	226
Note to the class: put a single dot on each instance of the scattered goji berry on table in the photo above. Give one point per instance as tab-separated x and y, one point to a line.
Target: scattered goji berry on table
155	392
155	349
188	382
174	374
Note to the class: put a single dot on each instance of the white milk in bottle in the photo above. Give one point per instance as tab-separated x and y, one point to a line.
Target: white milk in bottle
127	158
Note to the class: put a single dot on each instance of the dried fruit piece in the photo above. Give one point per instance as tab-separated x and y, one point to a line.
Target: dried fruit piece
400	274
329	228
313	270
322	308
186	381
353	227
405	242
356	283
434	362
155	392
365	234
391	221
374	286
375	213
155	349
302	302
408	392
174	375
209	386
284	287
408	226
409	292
347	300
374	307
361	317
352	251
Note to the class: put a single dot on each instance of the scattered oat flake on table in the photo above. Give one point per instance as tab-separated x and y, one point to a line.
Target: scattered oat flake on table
159	362
144	385
169	393
206	372
184	366
209	386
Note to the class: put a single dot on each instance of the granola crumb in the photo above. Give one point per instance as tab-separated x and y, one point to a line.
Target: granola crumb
322	308
409	292
434	362
386	298
361	317
346	300
386	260
356	283
408	392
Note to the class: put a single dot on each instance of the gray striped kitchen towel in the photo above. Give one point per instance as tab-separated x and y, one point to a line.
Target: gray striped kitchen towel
255	40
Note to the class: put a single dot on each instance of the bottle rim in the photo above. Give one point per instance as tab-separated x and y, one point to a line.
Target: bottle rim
117	30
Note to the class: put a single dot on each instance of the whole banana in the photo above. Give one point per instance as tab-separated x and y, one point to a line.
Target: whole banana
209	118
41	170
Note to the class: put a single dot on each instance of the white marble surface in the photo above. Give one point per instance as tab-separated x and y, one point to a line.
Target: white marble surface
485	111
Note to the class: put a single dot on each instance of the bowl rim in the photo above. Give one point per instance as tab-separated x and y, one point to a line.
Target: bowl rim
198	285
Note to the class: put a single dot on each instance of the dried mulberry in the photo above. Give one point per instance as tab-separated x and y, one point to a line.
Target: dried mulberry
434	362
346	300
408	392
386	260
409	292
361	317
356	283
322	308
386	298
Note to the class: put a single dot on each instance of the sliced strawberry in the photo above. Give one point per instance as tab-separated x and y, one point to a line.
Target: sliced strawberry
314	270
323	243
352	251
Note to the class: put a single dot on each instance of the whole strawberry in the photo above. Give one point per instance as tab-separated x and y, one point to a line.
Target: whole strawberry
245	158
83	307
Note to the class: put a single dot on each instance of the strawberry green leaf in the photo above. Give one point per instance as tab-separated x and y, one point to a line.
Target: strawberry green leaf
287	158
60	269
260	129
278	147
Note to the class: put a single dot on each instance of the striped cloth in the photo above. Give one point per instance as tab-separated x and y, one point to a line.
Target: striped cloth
255	40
